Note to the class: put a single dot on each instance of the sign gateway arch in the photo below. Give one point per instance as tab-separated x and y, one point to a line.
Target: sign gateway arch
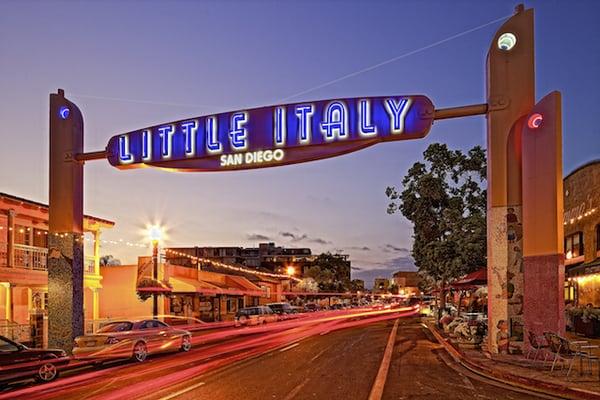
273	136
525	259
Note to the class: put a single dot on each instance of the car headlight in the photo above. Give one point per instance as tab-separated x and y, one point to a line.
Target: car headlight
112	340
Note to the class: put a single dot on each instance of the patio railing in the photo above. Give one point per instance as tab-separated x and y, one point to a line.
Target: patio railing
31	257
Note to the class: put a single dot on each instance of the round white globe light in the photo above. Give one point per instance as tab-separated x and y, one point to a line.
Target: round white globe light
507	41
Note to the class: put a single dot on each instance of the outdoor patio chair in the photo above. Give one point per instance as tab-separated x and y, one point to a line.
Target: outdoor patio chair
569	351
537	345
553	347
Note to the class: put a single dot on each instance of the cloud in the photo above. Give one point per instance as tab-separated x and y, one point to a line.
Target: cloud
293	237
361	248
319	241
370	270
296	237
257	237
388	248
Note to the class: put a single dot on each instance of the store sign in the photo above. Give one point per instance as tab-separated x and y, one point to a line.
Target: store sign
273	136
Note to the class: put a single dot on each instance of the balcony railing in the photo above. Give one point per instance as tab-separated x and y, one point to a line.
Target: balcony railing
88	265
31	257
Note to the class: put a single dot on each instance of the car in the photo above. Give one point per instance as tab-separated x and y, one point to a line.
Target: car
18	362
257	315
312	307
131	339
281	308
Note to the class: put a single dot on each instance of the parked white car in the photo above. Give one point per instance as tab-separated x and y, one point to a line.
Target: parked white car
258	315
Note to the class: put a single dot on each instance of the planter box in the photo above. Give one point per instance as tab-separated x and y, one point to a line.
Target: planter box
590	329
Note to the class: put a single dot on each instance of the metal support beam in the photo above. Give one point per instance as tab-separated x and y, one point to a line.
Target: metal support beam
94	155
462	111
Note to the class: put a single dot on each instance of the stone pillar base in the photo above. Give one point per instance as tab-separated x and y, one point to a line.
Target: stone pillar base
65	289
544	293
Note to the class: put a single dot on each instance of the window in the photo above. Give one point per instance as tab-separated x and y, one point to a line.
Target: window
231	305
598	237
7	346
40	238
22	235
574	245
116	327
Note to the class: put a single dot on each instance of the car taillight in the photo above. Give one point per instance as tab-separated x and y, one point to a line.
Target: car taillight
112	340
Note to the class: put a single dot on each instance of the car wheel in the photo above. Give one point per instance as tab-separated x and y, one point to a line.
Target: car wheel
47	372
186	343
140	352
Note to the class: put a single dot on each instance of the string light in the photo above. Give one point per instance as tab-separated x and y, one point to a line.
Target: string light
230	267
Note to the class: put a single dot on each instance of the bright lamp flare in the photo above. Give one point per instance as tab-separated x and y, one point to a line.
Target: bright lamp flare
290	270
155	233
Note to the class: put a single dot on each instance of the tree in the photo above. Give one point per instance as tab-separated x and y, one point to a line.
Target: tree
331	272
109	260
445	199
308	285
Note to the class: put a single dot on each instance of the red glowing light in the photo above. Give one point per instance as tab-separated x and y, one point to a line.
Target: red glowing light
534	121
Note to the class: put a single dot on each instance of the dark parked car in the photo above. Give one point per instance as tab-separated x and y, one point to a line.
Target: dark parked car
18	361
281	308
312	307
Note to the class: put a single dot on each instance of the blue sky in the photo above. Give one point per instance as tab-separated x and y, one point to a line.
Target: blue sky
173	60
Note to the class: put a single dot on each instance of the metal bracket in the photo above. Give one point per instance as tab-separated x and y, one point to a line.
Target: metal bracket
497	103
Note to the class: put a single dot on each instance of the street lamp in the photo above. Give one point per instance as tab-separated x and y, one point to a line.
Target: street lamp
290	270
155	235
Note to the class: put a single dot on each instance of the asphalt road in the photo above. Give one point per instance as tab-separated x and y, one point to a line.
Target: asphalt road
343	365
325	356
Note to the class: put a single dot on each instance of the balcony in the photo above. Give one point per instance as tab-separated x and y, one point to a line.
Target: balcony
35	258
31	257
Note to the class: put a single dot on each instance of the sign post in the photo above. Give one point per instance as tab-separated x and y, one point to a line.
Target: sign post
65	237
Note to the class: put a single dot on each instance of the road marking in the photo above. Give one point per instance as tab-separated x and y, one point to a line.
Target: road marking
291	346
182	391
377	389
318	355
292	395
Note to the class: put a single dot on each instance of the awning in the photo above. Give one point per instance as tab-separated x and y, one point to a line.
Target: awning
248	287
475	278
592	267
190	285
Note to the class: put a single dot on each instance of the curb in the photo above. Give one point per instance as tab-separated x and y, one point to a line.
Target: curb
530	384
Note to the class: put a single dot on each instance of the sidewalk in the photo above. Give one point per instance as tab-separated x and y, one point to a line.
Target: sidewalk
518	371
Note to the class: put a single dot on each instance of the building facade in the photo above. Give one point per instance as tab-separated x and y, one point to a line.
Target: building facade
23	263
209	294
407	283
582	235
267	256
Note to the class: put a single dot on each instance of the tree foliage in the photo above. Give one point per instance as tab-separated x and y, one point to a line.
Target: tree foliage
109	260
331	272
445	198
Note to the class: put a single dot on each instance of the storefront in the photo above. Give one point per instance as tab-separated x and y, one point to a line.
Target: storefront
582	249
582	235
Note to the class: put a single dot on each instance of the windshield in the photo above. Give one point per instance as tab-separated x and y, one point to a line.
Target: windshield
116	327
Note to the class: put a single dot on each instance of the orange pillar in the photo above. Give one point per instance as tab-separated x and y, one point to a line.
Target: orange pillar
65	236
510	96
543	229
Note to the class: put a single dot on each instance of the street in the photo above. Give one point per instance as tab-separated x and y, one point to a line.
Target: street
333	355
343	365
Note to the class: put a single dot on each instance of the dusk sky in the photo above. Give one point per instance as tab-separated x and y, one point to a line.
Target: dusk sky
133	64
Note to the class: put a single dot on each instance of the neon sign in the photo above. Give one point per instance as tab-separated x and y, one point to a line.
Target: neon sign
273	136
